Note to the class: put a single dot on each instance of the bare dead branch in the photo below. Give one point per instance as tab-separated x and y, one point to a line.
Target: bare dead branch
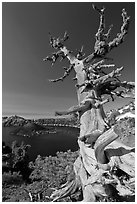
68	190
100	11
124	29
80	54
102	46
94	66
107	35
104	101
74	79
105	139
63	52
67	72
114	73
97	69
94	71
106	66
57	43
53	58
73	109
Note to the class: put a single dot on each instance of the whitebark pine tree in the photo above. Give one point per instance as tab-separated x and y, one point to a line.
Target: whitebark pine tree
101	153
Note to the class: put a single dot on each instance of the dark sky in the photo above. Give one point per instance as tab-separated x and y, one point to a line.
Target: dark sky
25	26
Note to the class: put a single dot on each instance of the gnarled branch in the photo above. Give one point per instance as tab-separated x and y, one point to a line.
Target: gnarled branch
53	58
105	139
102	46
124	29
57	43
114	73
67	72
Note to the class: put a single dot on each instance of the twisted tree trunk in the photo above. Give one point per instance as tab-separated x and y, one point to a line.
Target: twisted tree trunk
100	151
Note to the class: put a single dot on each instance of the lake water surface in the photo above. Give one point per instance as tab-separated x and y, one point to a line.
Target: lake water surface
46	144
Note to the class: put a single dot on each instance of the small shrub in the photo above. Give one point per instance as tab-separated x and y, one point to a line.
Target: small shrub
9	178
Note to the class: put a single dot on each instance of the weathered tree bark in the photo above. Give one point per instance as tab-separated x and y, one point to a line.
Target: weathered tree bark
100	151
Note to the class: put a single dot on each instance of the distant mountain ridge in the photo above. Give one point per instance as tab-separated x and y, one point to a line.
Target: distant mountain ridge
126	111
58	121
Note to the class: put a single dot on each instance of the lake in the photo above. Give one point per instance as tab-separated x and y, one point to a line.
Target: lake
45	144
